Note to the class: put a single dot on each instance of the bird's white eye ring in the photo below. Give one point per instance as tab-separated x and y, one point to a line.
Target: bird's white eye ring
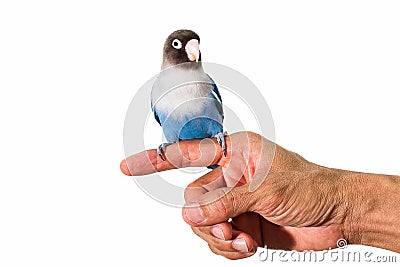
176	44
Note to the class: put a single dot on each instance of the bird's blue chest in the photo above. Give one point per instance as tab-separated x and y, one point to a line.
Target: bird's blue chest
191	119
186	107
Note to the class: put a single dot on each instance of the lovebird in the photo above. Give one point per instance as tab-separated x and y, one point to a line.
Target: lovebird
185	100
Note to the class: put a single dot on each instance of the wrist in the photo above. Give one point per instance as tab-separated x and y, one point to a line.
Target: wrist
372	211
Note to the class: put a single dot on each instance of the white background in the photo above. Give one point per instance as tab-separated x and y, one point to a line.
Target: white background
69	69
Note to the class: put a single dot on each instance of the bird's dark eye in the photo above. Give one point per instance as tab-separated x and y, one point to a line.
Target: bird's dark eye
176	44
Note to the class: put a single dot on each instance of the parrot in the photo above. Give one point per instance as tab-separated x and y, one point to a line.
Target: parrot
185	100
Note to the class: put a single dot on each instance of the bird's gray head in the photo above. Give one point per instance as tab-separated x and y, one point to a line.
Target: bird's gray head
181	46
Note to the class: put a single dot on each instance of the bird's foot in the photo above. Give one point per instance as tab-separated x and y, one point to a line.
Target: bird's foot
221	141
161	149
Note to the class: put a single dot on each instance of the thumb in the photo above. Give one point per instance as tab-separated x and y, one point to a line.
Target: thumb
219	205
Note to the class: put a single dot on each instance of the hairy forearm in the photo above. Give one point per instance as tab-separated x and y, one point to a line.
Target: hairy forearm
372	208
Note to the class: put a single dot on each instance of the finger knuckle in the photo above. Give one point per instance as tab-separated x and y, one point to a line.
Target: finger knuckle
214	249
232	257
226	203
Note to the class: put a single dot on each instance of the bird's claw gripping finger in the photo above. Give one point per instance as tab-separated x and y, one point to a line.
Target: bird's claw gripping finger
221	141
160	150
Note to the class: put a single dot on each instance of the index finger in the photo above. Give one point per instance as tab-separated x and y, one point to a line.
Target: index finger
188	153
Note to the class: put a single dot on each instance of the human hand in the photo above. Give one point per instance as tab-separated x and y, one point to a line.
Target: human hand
297	204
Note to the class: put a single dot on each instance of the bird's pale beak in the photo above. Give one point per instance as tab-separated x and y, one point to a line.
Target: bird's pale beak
192	50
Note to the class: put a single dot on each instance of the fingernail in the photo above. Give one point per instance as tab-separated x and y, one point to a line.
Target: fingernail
240	245
218	233
194	214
